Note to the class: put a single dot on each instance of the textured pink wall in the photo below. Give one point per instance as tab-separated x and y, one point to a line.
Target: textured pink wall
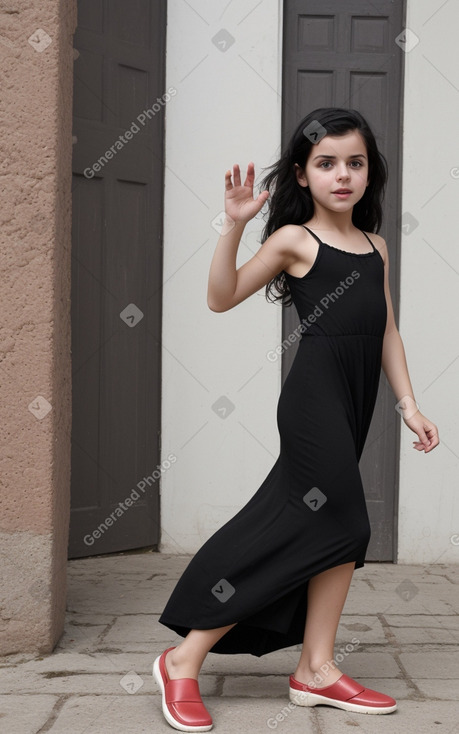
36	67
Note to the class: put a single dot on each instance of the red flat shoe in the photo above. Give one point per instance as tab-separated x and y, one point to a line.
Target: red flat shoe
345	694
181	700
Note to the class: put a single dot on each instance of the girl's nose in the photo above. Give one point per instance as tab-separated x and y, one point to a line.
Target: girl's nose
342	173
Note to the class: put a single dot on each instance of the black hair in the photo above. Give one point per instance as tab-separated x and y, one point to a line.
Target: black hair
291	203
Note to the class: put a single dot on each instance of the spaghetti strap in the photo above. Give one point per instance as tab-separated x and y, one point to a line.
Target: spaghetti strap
314	235
371	243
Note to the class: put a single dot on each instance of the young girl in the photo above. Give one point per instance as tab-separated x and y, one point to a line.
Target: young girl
277	574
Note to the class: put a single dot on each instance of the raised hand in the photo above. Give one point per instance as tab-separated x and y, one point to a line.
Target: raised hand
239	202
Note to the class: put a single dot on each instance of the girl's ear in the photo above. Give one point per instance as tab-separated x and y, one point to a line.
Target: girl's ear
301	176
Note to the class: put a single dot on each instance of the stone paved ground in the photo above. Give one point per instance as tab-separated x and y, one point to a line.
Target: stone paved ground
98	679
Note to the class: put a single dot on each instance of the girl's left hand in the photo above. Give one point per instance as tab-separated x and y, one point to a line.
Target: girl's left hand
426	430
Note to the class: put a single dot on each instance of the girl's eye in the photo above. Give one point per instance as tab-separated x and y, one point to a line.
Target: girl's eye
326	164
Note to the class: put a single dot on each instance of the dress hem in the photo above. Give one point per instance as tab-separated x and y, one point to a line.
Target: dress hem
256	640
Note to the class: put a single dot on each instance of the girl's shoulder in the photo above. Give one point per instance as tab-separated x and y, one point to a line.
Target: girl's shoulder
290	230
376	238
379	242
289	235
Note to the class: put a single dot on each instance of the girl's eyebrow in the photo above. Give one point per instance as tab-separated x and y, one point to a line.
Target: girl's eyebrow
332	157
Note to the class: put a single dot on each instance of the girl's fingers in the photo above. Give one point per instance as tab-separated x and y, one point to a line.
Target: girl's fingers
237	176
419	446
250	174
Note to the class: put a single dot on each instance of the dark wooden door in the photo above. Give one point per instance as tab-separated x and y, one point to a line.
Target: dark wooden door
344	54
119	62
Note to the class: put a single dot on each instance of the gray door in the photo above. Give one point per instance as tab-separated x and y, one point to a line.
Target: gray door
119	61
344	54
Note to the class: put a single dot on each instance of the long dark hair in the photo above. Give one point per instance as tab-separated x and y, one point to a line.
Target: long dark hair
291	203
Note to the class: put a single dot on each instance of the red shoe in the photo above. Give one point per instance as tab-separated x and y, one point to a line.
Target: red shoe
345	694
181	700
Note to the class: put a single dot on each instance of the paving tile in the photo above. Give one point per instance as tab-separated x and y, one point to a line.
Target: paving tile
432	664
89	619
370	665
425	635
365	628
439	688
403	596
25	714
136	628
259	716
450	572
265	686
126	596
80	638
422	621
126	714
281	662
411	717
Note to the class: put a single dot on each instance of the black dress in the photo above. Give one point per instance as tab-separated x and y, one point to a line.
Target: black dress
309	514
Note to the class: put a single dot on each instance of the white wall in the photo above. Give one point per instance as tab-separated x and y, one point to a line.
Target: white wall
227	110
429	312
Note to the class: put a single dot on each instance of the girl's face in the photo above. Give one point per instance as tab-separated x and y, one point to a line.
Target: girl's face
336	171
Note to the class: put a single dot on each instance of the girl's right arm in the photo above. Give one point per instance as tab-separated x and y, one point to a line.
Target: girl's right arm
227	286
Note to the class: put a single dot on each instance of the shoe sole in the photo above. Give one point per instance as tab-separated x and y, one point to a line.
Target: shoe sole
303	698
167	715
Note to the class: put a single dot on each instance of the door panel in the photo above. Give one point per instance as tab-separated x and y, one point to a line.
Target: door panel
116	275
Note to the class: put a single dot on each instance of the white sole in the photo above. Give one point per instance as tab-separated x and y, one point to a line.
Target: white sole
303	698
167	715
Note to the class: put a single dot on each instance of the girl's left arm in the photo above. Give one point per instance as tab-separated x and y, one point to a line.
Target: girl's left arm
396	370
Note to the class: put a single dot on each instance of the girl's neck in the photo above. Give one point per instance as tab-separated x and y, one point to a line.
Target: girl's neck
327	221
